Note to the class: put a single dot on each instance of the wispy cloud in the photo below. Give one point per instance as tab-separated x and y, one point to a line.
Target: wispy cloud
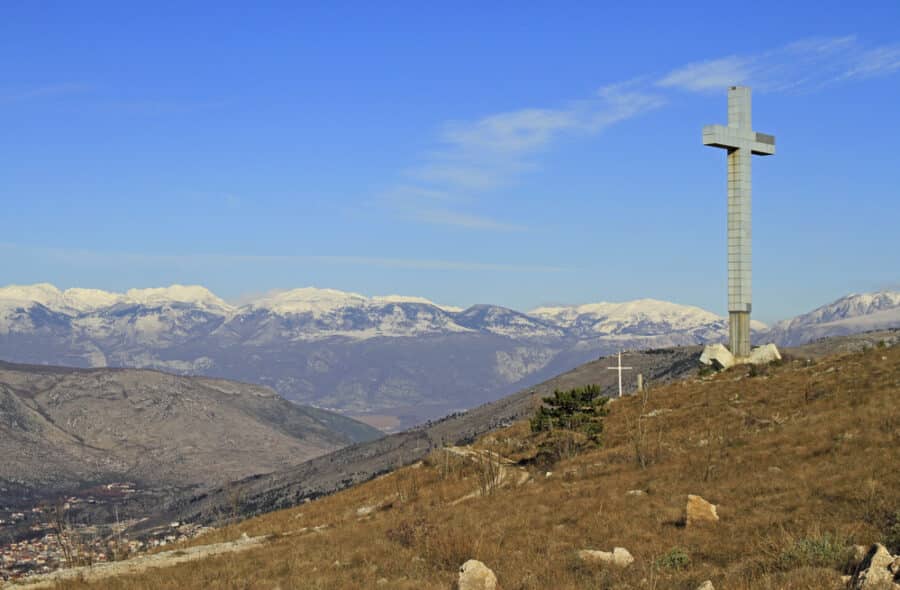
474	157
448	217
802	66
713	74
117	259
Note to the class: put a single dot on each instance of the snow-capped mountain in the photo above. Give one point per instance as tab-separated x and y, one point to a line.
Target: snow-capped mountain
643	316
311	314
507	322
403	355
858	312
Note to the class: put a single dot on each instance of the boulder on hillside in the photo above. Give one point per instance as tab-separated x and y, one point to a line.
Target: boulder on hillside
699	511
474	575
619	556
707	585
879	570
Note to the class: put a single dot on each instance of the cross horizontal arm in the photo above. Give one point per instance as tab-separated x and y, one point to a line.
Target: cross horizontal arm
732	138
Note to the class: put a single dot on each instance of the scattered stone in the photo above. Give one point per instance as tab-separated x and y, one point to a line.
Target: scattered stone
635	493
619	556
875	572
365	510
718	356
699	511
774	469
548	474
245	537
474	575
381	582
707	585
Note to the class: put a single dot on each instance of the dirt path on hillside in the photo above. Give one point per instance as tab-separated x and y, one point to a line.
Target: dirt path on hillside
134	565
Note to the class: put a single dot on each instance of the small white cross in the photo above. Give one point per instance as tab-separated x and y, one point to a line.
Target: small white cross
619	368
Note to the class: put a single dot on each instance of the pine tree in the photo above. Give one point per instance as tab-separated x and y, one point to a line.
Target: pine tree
580	409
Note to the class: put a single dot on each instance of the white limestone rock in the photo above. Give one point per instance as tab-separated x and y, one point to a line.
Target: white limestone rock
619	556
474	575
875	571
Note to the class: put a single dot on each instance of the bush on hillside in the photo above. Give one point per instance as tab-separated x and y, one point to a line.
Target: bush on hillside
676	559
579	410
825	550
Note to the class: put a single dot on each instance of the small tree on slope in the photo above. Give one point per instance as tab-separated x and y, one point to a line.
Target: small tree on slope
580	410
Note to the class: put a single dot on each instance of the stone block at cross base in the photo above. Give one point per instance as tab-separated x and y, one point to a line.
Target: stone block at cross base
718	356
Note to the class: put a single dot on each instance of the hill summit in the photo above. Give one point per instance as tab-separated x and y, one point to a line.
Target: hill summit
773	477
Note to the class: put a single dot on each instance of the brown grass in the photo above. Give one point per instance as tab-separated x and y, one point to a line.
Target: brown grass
801	460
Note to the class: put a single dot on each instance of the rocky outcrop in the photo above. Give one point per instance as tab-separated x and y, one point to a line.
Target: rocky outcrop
879	570
699	511
474	575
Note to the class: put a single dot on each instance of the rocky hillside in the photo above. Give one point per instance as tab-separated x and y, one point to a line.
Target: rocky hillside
774	477
358	463
392	360
63	428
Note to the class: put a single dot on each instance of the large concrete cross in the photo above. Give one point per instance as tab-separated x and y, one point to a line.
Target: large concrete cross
741	142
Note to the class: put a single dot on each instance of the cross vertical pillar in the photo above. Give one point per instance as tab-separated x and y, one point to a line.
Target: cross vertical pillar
741	142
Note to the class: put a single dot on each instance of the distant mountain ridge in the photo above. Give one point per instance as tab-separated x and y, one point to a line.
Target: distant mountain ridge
398	355
858	312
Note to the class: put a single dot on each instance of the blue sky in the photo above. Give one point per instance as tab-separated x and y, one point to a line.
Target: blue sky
512	153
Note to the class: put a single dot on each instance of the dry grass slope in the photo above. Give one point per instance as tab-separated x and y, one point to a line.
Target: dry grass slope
801	460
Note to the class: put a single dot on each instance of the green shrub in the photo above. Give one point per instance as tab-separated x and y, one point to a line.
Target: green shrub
822	551
580	410
706	370
676	559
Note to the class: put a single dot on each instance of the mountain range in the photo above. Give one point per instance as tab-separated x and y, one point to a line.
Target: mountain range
393	361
